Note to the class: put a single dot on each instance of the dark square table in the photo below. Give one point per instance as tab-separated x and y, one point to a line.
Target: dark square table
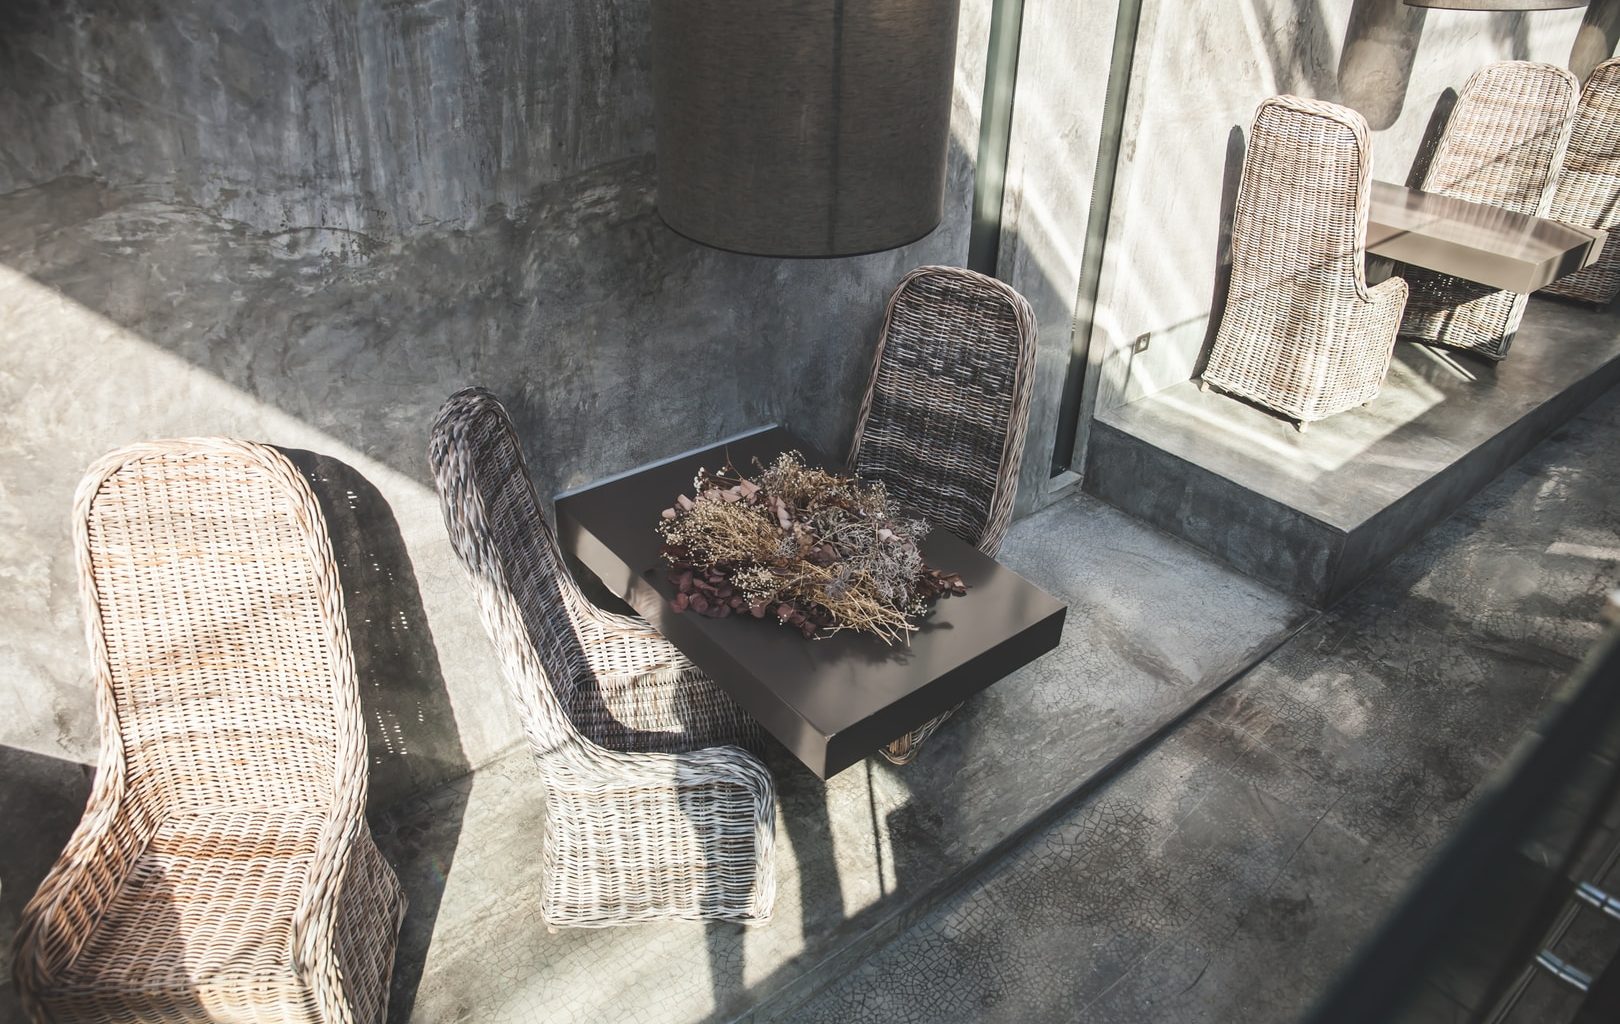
1484	244
831	701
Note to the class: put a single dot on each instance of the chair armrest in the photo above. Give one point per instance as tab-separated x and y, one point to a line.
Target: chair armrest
1391	290
81	885
1378	319
663	711
1377	322
579	771
314	927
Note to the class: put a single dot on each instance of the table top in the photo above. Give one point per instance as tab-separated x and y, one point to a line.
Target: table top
1481	243
832	701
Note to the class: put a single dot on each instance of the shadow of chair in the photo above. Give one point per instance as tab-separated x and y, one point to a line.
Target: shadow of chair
414	747
1231	175
48	793
1432	134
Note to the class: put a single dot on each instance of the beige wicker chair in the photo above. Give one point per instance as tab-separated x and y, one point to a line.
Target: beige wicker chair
223	870
653	808
1588	190
1302	333
1502	146
946	412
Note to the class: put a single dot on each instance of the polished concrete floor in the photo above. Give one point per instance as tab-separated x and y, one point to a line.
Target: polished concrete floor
1231	870
1223	875
1153	627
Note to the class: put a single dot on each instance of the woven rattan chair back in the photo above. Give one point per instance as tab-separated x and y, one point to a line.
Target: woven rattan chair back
1299	229
1505	138
217	627
1301	333
947	407
499	530
946	412
654	809
1588	189
1503	146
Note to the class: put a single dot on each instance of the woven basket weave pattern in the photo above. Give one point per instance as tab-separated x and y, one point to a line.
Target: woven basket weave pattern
946	411
223	870
1302	333
654	809
1503	146
1588	190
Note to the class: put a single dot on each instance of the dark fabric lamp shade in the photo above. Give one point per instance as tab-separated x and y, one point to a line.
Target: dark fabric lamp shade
803	127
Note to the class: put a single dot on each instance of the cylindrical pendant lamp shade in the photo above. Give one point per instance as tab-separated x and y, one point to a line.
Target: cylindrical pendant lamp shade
803	127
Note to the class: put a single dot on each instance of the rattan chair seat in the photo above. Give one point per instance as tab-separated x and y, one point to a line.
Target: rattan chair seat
212	896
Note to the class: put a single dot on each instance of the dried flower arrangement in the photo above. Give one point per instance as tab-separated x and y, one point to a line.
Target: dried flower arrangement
818	551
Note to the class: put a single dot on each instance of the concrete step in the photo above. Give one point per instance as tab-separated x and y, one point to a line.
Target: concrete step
1313	513
1229	873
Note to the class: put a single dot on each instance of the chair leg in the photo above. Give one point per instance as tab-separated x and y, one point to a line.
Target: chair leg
1203	385
1301	426
904	750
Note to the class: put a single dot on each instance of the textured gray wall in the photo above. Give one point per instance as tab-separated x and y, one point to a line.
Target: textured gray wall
355	115
307	223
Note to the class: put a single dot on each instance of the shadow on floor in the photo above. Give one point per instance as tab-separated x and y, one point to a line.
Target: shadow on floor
41	800
411	729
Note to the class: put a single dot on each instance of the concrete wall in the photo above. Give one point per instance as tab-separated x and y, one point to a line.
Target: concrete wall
307	223
1200	71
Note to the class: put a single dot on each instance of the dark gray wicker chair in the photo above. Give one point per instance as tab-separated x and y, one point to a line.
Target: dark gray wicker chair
1503	146
654	809
946	412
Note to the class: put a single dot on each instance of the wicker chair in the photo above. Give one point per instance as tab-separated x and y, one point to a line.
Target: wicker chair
1588	190
1302	333
1502	146
946	411
223	870
653	808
